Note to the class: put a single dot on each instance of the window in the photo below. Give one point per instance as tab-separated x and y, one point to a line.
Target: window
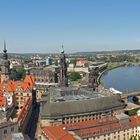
5	131
12	129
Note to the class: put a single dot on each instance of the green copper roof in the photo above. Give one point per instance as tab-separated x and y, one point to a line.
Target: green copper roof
62	49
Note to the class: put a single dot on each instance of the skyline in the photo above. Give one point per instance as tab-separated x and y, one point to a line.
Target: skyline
42	26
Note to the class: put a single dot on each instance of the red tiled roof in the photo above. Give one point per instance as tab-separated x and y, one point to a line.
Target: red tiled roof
93	127
30	80
2	101
57	133
23	112
83	61
90	123
104	129
11	86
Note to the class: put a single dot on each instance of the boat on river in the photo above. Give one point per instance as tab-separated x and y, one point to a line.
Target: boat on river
114	91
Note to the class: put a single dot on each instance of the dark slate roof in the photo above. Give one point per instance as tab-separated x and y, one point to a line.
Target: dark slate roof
56	109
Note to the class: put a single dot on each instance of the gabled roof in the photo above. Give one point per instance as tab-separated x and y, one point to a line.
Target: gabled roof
30	80
11	86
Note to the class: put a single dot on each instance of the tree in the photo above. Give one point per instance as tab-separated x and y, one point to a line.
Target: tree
17	73
74	76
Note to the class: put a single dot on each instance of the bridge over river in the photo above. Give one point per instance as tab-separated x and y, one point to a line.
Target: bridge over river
130	94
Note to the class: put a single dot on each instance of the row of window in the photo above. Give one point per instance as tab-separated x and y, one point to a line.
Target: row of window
69	120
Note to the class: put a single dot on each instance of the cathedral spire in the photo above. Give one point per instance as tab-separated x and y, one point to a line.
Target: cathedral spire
63	69
5	51
5	56
5	65
62	49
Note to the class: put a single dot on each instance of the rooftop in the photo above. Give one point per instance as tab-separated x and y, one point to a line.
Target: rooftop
73	100
91	128
69	94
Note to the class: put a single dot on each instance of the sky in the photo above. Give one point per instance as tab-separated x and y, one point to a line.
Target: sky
41	26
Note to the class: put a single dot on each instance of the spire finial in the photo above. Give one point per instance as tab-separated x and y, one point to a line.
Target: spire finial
4	47
62	51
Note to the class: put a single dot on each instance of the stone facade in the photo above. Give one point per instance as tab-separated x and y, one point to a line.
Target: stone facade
7	128
63	78
70	105
5	66
44	78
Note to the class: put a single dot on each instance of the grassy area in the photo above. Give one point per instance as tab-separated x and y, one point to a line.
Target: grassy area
102	83
113	66
132	112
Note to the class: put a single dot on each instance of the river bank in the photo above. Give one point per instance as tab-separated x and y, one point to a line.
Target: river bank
109	67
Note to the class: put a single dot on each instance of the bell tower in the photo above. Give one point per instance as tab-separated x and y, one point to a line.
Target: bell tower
63	69
5	66
92	78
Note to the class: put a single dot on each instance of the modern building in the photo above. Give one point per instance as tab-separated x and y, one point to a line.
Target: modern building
66	105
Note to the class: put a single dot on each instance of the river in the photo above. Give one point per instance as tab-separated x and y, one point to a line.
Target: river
124	79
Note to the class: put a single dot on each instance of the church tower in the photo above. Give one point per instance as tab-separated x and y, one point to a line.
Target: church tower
5	66
63	69
92	78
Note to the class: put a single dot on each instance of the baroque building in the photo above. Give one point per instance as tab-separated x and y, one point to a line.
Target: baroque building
93	77
66	105
44	78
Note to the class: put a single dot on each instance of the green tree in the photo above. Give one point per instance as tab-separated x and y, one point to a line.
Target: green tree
17	73
74	76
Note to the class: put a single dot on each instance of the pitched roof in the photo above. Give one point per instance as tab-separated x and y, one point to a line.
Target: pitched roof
2	101
83	61
55	109
30	80
57	133
10	86
92	128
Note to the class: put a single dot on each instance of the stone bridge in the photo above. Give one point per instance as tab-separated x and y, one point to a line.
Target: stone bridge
130	94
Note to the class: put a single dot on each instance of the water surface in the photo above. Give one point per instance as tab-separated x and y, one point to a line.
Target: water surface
123	78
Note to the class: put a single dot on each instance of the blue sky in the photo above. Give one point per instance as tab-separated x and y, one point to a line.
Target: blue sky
81	25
